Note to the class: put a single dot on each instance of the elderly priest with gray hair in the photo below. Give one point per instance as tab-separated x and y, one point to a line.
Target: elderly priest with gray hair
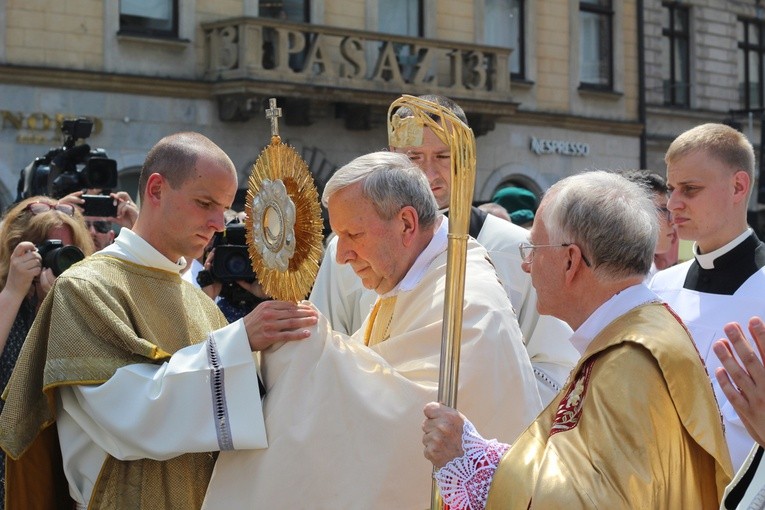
637	425
343	413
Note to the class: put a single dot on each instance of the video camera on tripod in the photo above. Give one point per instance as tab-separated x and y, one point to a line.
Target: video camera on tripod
64	170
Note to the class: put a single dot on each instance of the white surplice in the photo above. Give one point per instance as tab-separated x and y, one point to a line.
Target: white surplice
339	294
343	419
705	314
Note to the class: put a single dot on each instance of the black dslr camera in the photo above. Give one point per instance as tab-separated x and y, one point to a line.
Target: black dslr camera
59	257
70	168
232	260
231	263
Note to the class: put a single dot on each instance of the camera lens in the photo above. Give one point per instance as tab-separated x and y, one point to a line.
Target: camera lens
61	258
231	263
238	264
101	173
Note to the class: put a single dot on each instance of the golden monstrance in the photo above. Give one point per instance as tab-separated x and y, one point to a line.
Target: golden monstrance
283	225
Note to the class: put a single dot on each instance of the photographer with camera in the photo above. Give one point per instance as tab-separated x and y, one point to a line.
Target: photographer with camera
70	168
30	260
227	276
102	211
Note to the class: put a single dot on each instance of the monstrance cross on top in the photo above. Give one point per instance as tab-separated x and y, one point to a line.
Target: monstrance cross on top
273	113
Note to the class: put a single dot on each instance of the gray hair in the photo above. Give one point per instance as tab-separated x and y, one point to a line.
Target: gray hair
612	219
390	181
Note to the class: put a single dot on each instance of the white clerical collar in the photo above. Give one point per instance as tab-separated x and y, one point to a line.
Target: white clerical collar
131	247
435	248
615	307
707	260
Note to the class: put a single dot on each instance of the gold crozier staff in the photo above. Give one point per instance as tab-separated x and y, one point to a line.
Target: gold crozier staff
406	132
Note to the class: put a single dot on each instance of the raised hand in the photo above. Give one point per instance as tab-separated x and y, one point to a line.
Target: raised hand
744	383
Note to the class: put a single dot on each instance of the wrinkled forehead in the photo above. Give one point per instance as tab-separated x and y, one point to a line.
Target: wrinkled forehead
349	203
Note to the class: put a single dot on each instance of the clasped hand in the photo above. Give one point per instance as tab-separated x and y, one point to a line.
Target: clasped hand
279	321
442	434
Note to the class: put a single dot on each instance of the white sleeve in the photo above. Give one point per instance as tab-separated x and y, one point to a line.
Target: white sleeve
465	481
204	398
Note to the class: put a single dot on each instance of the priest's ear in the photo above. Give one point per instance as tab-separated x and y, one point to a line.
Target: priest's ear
576	262
409	222
742	184
154	186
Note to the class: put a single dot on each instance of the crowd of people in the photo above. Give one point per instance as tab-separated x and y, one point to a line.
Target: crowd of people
596	370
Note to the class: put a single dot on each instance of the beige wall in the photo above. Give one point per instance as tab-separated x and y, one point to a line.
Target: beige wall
130	90
57	34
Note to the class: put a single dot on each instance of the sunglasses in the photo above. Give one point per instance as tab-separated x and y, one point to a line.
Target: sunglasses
43	207
101	226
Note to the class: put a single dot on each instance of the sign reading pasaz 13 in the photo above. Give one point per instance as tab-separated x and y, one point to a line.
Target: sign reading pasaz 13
542	146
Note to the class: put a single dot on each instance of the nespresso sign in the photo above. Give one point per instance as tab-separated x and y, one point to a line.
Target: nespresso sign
541	146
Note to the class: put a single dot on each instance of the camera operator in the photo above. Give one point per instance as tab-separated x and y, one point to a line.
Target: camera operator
230	281
24	279
70	168
101	227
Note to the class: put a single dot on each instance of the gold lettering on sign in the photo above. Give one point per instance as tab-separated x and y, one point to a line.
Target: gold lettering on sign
41	127
14	120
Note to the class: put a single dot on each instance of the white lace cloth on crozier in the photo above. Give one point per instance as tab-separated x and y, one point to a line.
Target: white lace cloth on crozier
464	482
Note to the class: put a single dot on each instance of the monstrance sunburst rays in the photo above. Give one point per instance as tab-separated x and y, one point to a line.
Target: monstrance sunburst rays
284	225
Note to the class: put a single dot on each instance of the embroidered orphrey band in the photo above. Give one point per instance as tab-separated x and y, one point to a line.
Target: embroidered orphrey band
570	407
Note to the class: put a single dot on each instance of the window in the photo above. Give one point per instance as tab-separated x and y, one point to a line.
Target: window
595	42
503	26
750	57
675	54
402	17
154	18
290	10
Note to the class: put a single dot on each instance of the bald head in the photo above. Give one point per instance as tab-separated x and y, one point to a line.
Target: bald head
175	158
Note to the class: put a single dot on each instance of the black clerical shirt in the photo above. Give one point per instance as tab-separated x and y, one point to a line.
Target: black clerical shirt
730	270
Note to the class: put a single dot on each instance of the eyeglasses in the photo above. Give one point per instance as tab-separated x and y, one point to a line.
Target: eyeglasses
43	207
527	251
101	226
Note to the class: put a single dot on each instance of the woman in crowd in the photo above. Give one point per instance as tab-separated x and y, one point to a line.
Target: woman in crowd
23	280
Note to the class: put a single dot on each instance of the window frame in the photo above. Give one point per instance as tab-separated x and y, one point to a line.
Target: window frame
172	33
306	12
759	49
608	12
673	34
521	49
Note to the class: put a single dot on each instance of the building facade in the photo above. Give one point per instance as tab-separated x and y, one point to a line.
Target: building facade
550	87
703	62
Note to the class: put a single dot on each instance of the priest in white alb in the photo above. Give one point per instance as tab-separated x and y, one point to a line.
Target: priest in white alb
343	413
